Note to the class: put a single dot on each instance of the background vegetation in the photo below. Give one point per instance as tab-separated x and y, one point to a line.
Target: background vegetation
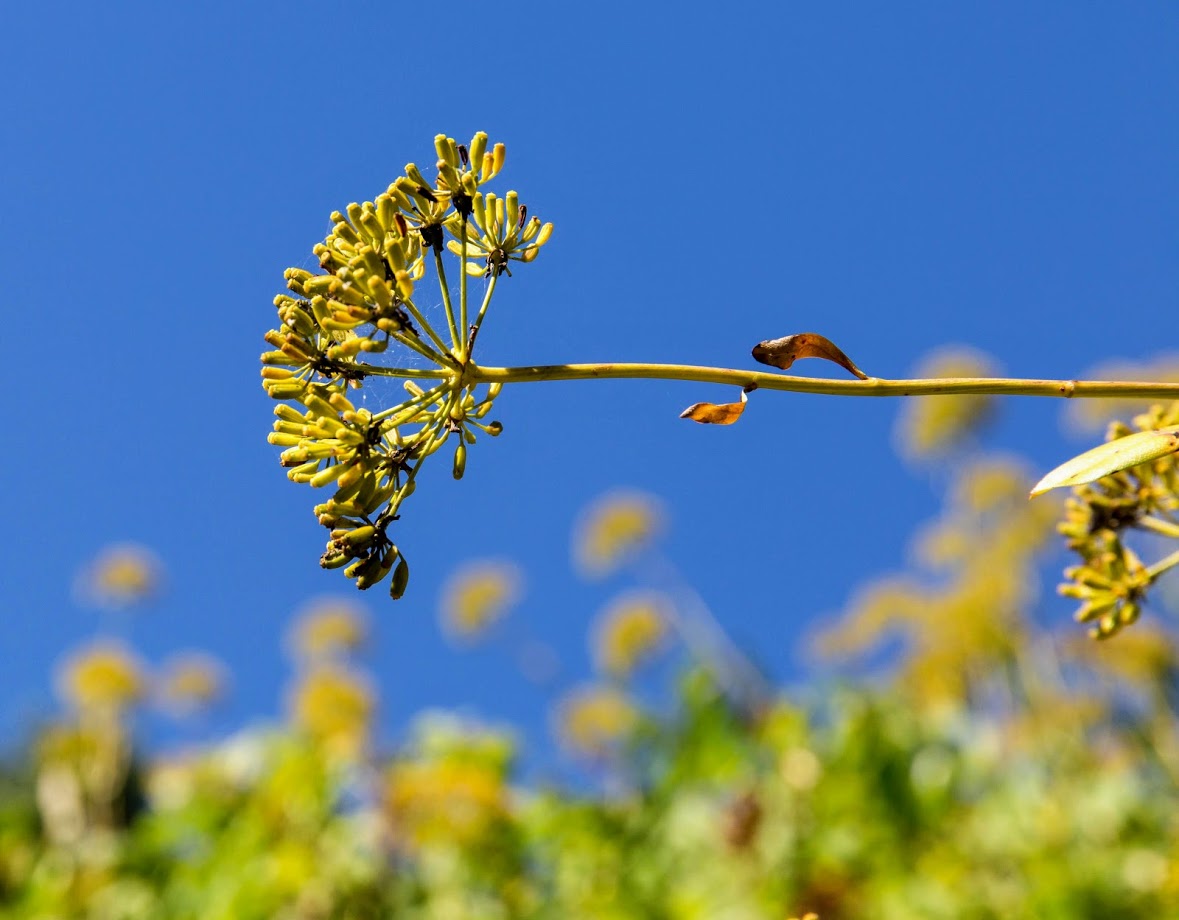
962	758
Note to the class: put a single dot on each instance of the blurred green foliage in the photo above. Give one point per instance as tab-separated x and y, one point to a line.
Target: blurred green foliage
995	769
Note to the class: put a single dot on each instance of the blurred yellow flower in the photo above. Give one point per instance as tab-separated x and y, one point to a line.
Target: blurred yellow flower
335	707
328	628
1092	415
630	631
444	801
613	529
592	720
191	682
476	596
932	425
69	743
120	576
991	483
960	627
104	676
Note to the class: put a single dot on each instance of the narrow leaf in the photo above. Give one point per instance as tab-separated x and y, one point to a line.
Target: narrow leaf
784	352
713	414
1110	457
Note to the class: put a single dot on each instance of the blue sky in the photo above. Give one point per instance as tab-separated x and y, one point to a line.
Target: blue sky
893	176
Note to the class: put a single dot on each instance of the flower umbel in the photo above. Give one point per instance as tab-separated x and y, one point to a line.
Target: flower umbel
361	305
1111	580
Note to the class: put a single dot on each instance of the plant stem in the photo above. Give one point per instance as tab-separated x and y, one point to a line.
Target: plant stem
873	386
431	395
419	346
414	312
1158	525
373	370
1167	562
441	269
461	344
482	310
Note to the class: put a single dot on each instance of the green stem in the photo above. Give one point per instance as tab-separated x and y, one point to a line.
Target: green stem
462	355
372	370
873	386
1167	562
413	311
431	395
482	311
420	347
441	269
1158	525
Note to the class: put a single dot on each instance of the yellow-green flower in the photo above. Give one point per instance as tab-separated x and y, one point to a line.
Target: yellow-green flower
613	530
444	801
104	676
335	707
477	596
629	632
498	232
121	575
191	682
329	628
593	720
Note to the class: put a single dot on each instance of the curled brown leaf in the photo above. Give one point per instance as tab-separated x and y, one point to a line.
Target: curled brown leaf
784	352
714	414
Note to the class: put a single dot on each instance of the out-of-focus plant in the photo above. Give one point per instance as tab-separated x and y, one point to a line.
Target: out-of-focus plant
991	771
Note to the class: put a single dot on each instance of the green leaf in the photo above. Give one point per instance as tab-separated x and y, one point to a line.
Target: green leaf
1111	457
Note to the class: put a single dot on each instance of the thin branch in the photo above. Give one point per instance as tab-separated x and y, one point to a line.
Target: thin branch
1163	565
873	386
441	269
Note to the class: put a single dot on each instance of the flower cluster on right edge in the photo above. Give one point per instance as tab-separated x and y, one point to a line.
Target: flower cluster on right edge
1111	580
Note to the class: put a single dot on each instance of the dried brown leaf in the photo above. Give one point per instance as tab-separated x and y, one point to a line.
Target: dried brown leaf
784	352
713	414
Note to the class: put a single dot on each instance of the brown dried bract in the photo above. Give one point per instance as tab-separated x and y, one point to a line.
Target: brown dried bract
784	352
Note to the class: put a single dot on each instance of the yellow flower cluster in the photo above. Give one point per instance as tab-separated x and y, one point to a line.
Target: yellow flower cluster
120	576
629	632
191	682
449	788
1111	580
593	720
334	706
477	596
961	624
103	677
500	232
444	801
328	629
359	305
613	530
